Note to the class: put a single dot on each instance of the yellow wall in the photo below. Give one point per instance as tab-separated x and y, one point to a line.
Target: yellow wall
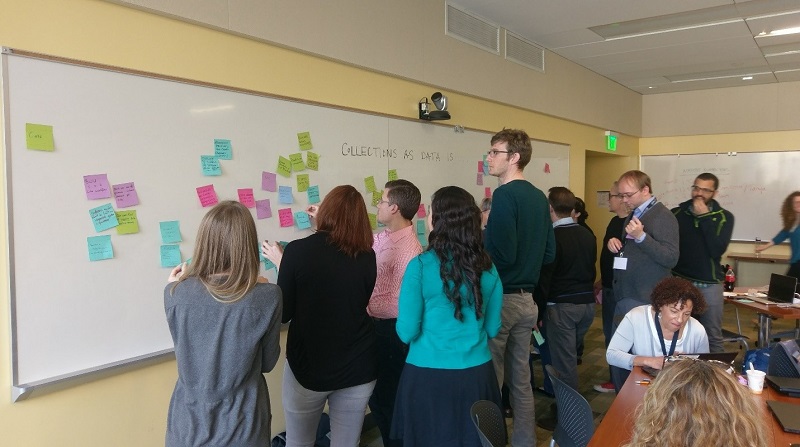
130	409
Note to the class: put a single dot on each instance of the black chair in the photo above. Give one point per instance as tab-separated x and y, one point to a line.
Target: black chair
575	422
781	363
489	422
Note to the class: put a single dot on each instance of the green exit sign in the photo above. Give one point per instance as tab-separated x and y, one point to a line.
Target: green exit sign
611	142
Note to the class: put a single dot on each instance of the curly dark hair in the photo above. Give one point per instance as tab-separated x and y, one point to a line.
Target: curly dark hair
673	290
457	240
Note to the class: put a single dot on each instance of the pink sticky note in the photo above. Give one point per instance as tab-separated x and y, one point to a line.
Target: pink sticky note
207	195
547	168
480	178
487	192
125	195
286	217
263	209
96	186
268	182
246	197
480	166
421	211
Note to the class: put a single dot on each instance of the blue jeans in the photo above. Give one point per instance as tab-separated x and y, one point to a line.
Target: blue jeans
711	319
303	408
511	347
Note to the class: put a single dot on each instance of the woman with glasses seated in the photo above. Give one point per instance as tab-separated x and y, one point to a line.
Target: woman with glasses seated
649	333
694	402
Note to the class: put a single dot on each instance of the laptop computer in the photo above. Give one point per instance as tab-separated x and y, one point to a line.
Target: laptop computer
723	357
787	413
781	290
785	385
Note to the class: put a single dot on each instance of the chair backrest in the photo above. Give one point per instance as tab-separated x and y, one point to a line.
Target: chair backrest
489	422
575	422
782	361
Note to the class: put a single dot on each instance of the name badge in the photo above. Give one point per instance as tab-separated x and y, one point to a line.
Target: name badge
620	263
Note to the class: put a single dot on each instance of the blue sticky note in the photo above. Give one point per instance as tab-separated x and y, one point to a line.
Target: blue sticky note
313	194
170	231
303	220
99	247
223	150
422	240
210	165
285	194
103	217
421	227
170	255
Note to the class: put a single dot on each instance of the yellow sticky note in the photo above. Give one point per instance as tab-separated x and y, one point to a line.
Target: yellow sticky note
297	162
377	196
304	140
39	137
392	174
302	182
369	182
373	221
128	222
312	160
284	166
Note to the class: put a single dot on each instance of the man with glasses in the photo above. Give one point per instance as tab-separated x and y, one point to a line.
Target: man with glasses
394	248
705	231
519	239
647	249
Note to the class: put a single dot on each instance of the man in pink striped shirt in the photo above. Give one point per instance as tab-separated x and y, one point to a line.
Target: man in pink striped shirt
394	248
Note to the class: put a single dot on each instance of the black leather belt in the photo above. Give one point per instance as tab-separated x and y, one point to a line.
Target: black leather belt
507	291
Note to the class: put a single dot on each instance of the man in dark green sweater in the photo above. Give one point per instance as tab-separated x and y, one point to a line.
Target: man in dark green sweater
519	238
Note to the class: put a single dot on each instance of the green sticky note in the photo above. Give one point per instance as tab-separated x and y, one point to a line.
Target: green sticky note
39	137
284	166
210	165
297	162
223	149
99	247
373	221
170	255
392	174
377	196
312	160
538	336
304	139
369	182
302	182
128	222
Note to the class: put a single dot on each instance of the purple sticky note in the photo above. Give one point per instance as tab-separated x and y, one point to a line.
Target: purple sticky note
263	209
125	195
96	186
246	197
207	195
480	178
268	181
286	217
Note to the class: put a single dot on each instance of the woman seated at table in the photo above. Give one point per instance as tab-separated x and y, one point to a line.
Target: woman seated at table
697	403
649	333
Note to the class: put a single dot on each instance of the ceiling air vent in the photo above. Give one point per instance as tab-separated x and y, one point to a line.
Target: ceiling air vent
472	30
523	52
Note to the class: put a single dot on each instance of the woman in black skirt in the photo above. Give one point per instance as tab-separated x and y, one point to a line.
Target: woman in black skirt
449	308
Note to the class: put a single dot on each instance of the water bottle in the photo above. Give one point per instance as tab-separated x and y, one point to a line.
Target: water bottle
757	244
730	279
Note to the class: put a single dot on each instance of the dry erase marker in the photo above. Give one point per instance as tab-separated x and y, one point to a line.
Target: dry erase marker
644	382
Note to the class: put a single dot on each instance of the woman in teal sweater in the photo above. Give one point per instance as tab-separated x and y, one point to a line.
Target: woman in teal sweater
449	308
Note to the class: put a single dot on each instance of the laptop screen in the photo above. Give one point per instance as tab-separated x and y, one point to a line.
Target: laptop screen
781	288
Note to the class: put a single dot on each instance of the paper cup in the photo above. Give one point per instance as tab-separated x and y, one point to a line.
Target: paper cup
755	380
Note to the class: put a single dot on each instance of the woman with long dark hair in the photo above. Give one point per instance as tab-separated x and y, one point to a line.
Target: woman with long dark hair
790	217
449	308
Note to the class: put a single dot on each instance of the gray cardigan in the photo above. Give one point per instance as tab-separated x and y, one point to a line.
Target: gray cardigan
649	261
222	349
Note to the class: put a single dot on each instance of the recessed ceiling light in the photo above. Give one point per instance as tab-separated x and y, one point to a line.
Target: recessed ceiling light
747	78
649	87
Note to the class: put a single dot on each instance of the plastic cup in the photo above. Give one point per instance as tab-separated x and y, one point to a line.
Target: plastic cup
755	380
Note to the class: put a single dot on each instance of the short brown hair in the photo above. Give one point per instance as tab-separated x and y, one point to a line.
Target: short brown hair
405	195
562	200
343	216
638	178
519	142
674	290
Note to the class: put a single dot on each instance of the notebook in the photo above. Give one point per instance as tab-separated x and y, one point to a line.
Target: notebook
781	290
788	414
785	385
723	357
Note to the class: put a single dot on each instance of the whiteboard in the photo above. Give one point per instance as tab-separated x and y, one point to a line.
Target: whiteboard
752	186
72	316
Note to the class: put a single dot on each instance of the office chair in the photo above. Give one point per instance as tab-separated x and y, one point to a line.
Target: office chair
730	336
575	423
489	422
781	362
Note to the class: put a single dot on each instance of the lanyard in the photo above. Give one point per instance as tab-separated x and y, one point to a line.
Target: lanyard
661	337
624	234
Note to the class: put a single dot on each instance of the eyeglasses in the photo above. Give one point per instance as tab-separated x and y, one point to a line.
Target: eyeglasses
628	195
696	188
382	202
494	152
618	196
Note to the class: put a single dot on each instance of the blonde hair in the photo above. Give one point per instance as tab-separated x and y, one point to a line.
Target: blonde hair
696	403
226	252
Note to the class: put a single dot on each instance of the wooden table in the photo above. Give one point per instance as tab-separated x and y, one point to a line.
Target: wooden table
756	257
765	315
616	427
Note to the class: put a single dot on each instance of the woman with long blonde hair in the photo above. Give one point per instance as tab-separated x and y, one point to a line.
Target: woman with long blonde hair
225	323
697	403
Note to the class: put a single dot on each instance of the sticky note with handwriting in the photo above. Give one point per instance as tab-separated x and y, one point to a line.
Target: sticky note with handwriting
125	195
170	255
313	194
479	180
303	220
297	162
369	182
285	195
302	182
312	161
128	222
284	166
210	165
285	216
170	231
304	141
39	137
263	209
392	174
421	211
377	196
207	195
96	186
99	247
268	181
103	217
223	149
246	197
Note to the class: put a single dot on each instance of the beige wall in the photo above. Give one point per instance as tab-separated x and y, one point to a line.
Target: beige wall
130	409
